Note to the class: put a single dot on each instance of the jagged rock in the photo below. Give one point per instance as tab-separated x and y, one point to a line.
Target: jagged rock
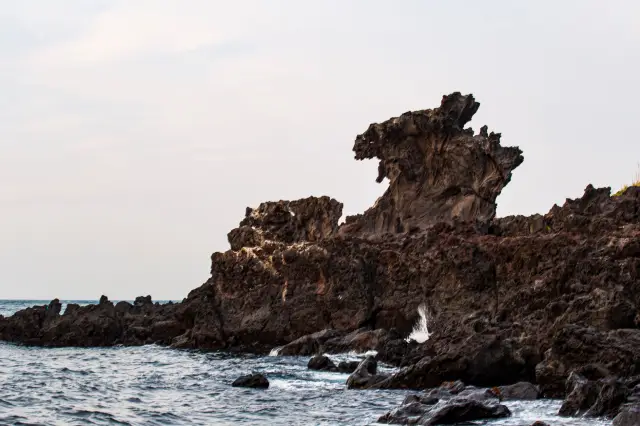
431	411
629	416
321	363
591	398
437	169
143	301
457	412
310	344
539	423
581	395
519	391
311	219
365	375
616	352
258	381
480	360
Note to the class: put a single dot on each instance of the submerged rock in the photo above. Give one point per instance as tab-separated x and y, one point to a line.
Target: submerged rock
258	381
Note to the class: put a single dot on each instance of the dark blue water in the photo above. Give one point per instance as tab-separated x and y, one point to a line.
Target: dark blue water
153	385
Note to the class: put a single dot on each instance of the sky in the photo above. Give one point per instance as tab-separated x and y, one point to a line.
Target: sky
134	133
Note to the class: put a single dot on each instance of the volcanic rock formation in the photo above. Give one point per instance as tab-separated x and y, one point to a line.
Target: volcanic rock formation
514	299
438	171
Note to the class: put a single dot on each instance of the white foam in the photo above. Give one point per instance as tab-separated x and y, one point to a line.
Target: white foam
275	351
420	331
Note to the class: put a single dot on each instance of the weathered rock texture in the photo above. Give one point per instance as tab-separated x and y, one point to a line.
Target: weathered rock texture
452	403
438	171
513	299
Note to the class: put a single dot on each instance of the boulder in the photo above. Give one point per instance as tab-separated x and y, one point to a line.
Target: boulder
519	391
466	411
256	380
453	411
348	367
593	398
629	415
321	363
365	375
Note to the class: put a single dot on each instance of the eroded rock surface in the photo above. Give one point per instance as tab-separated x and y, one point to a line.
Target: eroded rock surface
451	403
438	171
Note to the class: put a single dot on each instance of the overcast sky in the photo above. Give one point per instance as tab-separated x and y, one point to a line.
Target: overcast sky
134	133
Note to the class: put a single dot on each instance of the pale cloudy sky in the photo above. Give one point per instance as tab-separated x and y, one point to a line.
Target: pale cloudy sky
134	133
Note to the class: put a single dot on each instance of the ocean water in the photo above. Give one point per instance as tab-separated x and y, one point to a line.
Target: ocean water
153	385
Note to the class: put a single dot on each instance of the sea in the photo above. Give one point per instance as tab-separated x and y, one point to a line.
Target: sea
154	385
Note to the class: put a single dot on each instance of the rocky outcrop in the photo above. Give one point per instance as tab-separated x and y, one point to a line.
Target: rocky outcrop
438	171
452	403
514	299
104	324
311	219
599	398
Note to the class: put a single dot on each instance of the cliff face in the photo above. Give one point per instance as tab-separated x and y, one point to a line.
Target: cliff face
515	298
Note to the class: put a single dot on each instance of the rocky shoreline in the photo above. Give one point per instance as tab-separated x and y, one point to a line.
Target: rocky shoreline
552	300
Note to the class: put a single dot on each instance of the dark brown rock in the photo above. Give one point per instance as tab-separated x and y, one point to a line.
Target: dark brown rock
348	367
257	381
365	375
454	411
629	416
594	398
321	363
519	391
311	219
437	169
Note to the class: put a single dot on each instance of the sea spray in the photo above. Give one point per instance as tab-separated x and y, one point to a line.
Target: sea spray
275	351
420	331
